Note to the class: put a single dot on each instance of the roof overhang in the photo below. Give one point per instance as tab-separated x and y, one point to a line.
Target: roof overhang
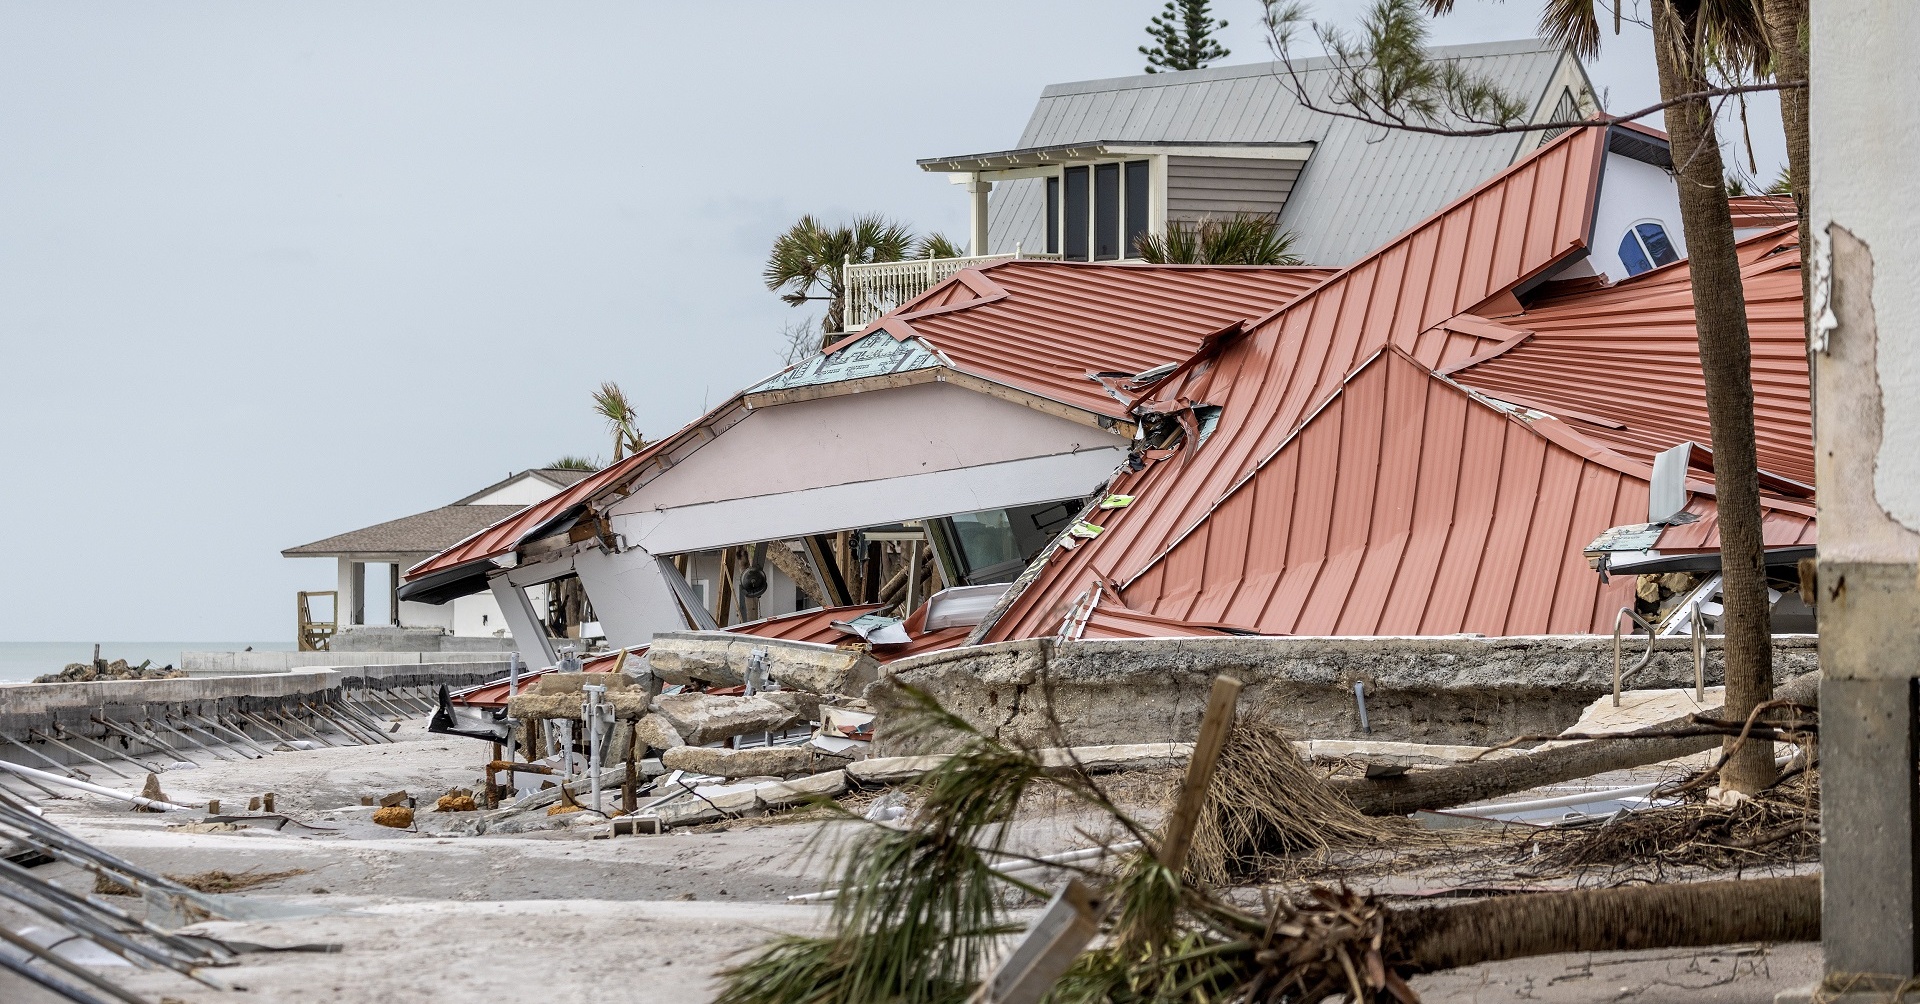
447	583
1784	559
1007	165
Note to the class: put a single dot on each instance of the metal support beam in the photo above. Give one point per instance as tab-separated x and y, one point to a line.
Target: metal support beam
523	622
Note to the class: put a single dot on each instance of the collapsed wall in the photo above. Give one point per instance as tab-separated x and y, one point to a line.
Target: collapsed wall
1452	690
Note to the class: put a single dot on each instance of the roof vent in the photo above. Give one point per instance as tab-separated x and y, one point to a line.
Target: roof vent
1667	493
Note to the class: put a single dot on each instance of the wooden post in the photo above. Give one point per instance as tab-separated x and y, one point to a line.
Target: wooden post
1214	729
870	578
628	798
1056	938
493	786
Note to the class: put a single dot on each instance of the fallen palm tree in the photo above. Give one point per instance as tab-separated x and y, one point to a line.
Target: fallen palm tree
1485	779
922	909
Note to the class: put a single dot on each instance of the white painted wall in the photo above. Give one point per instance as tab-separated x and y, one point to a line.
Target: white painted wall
523	490
863	437
1630	192
478	616
1864	148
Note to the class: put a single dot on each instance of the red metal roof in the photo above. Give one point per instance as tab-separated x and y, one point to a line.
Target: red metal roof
1350	489
1042	326
507	534
1762	210
1622	364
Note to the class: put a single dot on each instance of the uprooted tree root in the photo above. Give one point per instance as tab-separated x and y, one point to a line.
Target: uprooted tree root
1266	804
1778	826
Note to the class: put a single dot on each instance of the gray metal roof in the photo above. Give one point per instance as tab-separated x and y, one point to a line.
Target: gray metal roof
1363	185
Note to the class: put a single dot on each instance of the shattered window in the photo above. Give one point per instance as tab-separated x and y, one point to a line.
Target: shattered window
995	544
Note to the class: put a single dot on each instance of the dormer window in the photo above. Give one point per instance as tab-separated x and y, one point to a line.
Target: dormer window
1103	213
1646	246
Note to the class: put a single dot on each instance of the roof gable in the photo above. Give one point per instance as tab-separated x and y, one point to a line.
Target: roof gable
1268	384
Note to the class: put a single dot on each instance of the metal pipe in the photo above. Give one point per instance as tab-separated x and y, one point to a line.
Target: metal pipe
1360	701
126	754
218	740
1699	630
260	724
56	960
218	724
82	754
88	786
149	739
1640	663
357	715
591	711
345	728
71	771
163	723
294	720
48	983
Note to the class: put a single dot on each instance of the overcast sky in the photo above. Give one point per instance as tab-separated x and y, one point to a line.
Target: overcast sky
274	271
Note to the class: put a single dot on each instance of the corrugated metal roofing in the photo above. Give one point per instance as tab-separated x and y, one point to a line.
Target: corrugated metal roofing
1628	356
1274	571
1762	210
505	535
1352	489
1363	184
1042	326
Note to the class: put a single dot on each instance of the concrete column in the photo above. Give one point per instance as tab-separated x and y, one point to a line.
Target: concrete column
393	593
523	622
978	190
350	606
1863	254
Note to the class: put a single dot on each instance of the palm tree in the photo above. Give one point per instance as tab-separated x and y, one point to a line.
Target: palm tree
574	462
807	261
1240	239
1687	35
610	403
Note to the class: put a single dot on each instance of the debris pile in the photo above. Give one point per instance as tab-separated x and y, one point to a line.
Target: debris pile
101	669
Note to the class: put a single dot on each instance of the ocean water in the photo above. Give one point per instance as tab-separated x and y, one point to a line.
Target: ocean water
24	660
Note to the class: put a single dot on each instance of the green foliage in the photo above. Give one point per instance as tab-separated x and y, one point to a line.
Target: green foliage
610	403
1240	239
570	462
807	260
938	246
1183	32
1783	185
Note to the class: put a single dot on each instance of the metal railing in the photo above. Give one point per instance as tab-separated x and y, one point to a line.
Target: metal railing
874	288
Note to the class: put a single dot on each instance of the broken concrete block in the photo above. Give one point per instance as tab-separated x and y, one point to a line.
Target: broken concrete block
804	705
1129	756
704	718
397	816
776	760
779	794
151	790
654	732
394	798
721	657
894	769
570	683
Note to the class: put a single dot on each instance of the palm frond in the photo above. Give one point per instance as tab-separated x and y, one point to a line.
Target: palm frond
1574	24
1240	239
574	462
937	246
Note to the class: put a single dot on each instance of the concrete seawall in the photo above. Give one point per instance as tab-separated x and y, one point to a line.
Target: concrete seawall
1455	690
253	663
65	709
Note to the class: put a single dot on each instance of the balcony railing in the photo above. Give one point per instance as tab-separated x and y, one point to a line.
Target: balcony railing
873	289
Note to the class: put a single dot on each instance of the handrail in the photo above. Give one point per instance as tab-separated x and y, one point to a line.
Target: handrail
871	289
1698	628
1640	663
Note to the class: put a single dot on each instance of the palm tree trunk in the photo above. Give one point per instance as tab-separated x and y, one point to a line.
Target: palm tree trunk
1599	920
1720	315
1786	22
